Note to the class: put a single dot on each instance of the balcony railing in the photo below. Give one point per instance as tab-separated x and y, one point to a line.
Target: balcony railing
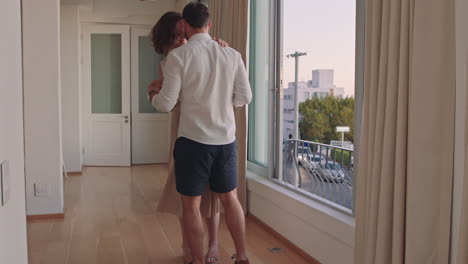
322	170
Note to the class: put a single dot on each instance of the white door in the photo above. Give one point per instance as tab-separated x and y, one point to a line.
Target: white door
106	97
150	129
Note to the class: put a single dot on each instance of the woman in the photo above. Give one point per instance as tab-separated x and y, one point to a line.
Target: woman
168	34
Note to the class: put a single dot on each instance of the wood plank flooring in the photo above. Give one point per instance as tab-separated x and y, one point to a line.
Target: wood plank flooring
110	218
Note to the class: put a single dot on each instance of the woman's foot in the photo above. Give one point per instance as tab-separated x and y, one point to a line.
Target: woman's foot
187	255
240	261
213	255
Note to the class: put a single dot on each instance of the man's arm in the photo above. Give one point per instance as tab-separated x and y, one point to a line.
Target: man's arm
166	99
242	91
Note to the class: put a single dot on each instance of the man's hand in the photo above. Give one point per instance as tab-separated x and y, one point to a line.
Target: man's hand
221	42
154	88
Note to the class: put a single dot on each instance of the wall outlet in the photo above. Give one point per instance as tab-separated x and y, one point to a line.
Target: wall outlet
4	182
41	190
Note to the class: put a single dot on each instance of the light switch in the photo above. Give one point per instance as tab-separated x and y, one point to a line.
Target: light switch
41	190
5	182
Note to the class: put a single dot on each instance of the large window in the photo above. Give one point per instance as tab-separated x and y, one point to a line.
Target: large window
301	120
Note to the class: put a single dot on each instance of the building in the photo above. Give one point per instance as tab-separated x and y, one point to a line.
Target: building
321	85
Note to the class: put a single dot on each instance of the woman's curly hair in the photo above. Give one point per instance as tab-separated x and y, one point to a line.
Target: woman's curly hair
164	33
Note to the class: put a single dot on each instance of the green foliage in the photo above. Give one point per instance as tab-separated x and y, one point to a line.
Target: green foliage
321	116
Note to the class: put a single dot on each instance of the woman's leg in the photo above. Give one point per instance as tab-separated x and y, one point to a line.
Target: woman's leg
213	245
185	244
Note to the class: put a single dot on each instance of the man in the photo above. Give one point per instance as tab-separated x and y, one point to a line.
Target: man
208	80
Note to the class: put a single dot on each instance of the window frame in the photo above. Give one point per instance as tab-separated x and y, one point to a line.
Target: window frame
256	167
274	169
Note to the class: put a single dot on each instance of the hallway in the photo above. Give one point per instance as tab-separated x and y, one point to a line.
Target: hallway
110	218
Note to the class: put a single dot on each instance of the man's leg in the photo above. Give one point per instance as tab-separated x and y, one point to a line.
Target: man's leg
193	225
185	243
223	181
213	244
235	221
192	168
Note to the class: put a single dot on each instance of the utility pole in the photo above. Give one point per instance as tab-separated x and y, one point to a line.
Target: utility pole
296	56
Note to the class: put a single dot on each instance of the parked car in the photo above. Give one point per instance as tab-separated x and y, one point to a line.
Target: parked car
303	152
314	158
317	159
331	172
312	165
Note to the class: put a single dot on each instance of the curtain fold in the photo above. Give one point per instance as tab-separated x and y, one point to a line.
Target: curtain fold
406	144
462	243
229	22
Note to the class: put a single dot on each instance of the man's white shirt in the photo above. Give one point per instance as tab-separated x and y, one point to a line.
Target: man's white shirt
208	80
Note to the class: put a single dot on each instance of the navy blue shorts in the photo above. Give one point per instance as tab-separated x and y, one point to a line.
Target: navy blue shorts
199	165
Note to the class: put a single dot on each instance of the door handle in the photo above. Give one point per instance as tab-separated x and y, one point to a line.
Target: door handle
126	118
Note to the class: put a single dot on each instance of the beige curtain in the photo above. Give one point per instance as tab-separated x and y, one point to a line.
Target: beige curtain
229	22
180	4
404	179
462	243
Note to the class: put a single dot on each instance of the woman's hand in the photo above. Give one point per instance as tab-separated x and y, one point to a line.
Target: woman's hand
154	88
221	42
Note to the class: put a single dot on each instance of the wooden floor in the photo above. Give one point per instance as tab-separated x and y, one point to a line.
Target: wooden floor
110	218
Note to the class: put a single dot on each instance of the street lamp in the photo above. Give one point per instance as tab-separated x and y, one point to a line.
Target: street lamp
296	56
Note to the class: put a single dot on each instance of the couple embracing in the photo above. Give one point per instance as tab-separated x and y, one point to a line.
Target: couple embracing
202	81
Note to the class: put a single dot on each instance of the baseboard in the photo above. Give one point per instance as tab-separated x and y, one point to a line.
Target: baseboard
45	216
75	173
278	236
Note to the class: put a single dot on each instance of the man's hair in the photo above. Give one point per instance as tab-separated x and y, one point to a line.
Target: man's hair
164	33
196	14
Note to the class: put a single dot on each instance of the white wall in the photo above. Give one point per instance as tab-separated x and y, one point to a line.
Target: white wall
13	246
462	86
41	53
126	12
71	83
322	232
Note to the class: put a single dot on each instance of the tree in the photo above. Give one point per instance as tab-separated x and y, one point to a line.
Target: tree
319	118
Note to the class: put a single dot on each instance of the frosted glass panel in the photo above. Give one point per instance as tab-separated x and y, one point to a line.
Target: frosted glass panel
260	80
148	63
106	73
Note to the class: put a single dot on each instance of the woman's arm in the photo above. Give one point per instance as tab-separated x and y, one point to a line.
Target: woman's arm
167	98
155	86
161	75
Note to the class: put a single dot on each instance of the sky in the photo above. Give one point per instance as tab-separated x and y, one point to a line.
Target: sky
325	29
